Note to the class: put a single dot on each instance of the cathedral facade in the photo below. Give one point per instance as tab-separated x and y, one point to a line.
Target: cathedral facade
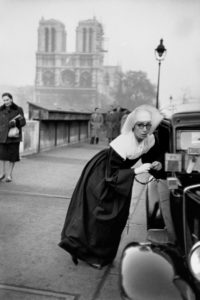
78	79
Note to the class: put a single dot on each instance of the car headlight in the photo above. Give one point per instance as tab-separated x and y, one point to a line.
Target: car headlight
194	260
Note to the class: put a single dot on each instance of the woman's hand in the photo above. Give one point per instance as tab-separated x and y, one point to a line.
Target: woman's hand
144	168
12	123
156	165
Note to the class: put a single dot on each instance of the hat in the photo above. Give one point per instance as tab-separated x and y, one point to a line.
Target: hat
156	118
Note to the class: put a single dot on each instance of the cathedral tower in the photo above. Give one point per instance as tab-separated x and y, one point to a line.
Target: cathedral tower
64	78
51	41
89	44
89	37
51	36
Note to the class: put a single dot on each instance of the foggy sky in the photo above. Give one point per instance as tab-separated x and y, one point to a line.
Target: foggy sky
133	29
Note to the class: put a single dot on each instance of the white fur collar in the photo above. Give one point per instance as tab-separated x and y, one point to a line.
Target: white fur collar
127	146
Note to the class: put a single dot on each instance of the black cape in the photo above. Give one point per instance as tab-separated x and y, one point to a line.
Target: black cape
99	208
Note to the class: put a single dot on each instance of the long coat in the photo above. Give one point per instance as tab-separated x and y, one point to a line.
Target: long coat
113	119
6	115
99	207
96	123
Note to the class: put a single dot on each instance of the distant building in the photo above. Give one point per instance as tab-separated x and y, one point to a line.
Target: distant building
80	78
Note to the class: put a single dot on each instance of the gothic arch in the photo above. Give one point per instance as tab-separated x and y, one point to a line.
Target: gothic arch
48	78
90	39
53	39
46	39
68	78
84	39
85	79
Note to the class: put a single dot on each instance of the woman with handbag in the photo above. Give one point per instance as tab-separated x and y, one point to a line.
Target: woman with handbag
11	121
100	203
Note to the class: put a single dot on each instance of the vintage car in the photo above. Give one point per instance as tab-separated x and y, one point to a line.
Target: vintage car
167	265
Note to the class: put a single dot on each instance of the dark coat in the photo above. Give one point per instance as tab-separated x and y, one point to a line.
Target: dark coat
6	115
99	207
113	120
96	122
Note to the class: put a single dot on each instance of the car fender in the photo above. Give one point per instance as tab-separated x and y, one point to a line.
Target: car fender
147	271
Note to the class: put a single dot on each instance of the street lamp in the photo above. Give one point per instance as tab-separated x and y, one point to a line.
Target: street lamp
171	104
160	53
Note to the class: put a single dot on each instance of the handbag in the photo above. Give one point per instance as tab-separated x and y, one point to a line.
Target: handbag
13	132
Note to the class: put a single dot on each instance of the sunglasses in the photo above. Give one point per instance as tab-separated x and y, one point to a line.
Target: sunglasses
141	125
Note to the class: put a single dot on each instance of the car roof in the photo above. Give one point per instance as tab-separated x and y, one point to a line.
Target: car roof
183	115
182	109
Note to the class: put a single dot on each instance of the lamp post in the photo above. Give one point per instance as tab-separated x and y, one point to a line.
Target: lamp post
160	53
171	104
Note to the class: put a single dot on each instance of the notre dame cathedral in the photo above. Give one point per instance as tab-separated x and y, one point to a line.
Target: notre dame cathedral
78	79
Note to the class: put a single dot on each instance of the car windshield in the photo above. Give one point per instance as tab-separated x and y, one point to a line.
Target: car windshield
188	139
188	143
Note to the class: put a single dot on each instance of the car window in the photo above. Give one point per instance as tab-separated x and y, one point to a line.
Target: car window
188	143
187	139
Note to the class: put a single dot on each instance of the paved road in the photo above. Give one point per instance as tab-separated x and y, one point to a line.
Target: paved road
32	212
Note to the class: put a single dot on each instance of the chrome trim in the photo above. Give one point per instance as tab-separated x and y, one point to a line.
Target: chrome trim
184	215
195	246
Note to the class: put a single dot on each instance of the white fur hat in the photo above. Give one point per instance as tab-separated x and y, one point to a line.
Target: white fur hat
156	118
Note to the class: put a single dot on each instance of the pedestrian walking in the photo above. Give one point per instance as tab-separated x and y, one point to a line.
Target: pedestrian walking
11	121
99	206
96	122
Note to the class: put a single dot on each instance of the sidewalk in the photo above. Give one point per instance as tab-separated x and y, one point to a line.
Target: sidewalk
32	212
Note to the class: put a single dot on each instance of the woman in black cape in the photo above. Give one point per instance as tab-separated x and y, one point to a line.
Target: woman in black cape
100	203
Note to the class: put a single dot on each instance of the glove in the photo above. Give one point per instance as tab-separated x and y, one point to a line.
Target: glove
12	123
144	168
156	165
